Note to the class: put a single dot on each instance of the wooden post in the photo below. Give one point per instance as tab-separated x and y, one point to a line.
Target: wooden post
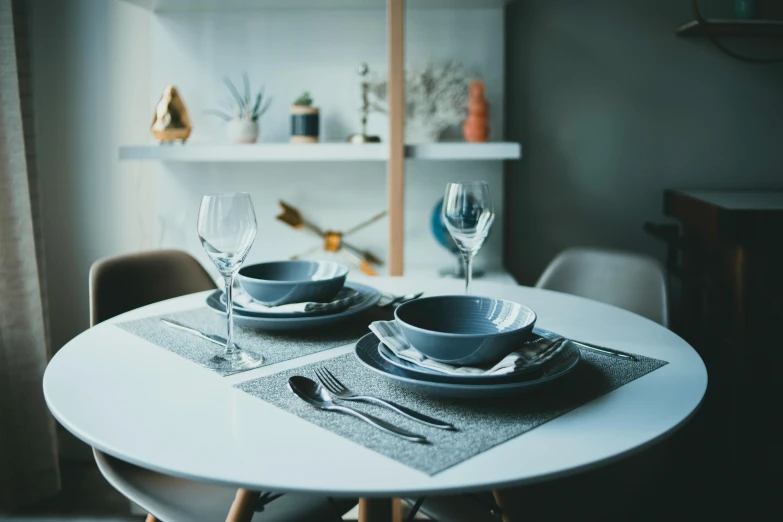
243	508
395	176
380	510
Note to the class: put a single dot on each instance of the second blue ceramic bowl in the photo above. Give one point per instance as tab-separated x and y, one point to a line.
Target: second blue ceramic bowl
282	282
465	329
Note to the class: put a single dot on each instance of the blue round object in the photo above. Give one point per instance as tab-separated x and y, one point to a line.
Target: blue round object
745	8
439	230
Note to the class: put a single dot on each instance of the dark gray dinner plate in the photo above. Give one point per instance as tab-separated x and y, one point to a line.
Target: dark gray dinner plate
369	296
366	351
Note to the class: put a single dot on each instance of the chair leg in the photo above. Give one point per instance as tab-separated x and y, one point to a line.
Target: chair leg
510	504
380	510
150	518
243	507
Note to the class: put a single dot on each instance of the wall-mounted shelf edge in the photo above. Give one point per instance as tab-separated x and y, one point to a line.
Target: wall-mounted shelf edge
173	6
730	27
288	152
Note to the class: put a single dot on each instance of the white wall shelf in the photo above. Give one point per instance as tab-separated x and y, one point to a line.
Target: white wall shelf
288	152
162	6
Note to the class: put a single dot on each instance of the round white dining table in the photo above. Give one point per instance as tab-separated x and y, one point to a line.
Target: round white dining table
109	388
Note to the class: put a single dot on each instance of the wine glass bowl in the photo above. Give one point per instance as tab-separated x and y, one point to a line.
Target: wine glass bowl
468	214
227	228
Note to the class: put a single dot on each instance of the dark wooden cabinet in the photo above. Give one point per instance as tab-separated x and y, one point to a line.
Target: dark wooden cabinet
727	266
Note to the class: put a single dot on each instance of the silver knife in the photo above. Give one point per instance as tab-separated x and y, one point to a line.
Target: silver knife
546	334
209	337
605	350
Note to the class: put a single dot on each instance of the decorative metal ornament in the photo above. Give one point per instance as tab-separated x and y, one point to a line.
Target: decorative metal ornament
362	137
333	241
171	121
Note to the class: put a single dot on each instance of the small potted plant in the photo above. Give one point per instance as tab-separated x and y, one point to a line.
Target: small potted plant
304	120
246	110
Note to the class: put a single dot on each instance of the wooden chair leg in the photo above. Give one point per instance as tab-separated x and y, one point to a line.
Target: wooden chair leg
509	502
380	510
150	518
243	507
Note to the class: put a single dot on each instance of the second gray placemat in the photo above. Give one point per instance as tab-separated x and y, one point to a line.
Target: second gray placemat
482	424
274	346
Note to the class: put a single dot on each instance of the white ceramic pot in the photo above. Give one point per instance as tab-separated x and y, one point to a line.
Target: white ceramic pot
242	131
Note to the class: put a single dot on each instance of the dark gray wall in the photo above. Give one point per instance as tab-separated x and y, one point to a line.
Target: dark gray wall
612	108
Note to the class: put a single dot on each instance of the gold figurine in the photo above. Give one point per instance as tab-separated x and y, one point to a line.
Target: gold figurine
171	121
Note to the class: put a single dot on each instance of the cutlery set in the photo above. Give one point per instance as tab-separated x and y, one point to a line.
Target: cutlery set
325	396
314	394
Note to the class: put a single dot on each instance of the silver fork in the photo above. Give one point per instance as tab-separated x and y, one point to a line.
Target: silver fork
400	299
340	391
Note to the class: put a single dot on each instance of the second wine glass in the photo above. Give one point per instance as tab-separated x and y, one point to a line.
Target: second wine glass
227	229
468	214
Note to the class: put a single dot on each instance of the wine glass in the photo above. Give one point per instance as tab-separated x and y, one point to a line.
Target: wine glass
468	214
227	229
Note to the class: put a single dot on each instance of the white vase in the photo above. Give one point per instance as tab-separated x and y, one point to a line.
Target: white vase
417	131
242	131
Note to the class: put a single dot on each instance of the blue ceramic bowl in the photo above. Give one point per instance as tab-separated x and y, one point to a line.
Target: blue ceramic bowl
465	329
282	282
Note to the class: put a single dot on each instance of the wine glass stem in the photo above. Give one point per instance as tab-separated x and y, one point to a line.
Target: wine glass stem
230	348
468	271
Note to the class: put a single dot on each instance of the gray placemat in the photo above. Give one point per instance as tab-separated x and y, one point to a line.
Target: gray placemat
274	346
482	424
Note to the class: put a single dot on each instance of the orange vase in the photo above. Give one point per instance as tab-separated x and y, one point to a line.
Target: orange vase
476	125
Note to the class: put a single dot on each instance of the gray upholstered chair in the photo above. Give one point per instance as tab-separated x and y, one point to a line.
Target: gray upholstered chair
122	283
628	280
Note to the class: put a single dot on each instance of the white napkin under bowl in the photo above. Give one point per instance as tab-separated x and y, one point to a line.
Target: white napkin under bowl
344	298
531	354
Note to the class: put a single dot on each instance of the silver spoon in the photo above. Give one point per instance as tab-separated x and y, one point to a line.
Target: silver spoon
314	394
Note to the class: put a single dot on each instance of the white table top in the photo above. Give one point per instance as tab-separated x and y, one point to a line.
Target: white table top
143	404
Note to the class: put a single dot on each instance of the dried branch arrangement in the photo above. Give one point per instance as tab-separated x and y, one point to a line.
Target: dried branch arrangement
437	96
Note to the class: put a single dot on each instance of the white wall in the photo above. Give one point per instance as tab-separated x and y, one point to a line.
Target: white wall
99	67
90	84
290	51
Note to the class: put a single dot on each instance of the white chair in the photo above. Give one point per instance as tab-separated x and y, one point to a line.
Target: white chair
122	283
172	499
628	280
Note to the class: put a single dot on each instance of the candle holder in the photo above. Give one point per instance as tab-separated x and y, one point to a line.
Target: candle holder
362	137
304	120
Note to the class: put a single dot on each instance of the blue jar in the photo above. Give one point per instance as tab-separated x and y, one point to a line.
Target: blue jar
304	124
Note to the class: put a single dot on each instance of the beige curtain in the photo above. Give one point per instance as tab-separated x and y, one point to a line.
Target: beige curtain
28	453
